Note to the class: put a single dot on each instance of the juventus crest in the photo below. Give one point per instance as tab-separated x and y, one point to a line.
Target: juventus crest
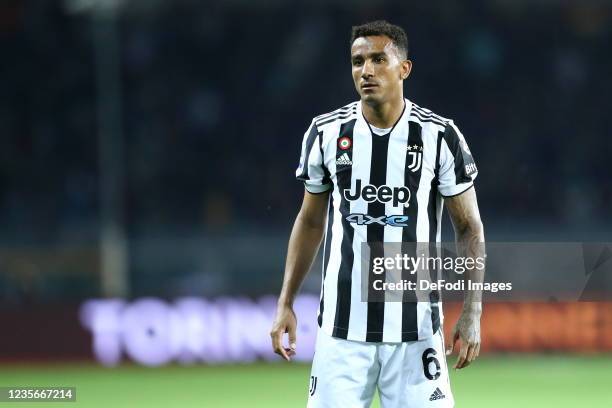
415	154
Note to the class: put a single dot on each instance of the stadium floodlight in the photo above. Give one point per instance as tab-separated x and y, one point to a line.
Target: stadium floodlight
106	42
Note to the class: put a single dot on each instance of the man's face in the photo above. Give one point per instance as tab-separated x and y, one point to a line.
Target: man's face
378	68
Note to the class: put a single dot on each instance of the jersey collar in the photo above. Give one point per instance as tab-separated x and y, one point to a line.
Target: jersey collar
405	113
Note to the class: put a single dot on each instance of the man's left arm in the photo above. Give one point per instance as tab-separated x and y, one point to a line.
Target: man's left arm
469	237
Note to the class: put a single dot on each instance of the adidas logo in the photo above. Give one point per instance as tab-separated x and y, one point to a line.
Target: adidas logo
437	395
344	160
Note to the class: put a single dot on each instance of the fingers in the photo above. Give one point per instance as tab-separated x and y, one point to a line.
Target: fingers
462	355
451	345
474	352
469	352
285	323
292	338
277	344
292	342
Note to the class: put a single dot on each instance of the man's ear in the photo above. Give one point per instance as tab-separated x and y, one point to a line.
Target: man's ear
406	69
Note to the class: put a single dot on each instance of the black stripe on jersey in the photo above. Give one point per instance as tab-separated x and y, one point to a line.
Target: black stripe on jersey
345	272
452	140
340	111
409	237
326	173
334	118
437	165
337	111
432	213
428	120
326	251
424	118
376	237
307	149
344	108
426	113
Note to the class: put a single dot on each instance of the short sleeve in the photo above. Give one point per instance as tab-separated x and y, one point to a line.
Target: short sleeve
311	170
457	167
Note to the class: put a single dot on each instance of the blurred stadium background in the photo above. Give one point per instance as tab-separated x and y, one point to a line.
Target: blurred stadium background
147	157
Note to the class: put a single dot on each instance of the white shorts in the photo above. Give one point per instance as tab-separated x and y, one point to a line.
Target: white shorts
345	374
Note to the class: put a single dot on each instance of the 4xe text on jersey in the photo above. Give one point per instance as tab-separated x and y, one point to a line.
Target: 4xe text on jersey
365	219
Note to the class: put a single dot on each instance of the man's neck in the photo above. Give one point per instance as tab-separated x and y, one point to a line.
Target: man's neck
383	115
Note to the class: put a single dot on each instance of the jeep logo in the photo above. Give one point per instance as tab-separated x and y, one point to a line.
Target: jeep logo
383	194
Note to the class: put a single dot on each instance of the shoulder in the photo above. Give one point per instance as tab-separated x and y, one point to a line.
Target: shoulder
438	127
426	117
346	112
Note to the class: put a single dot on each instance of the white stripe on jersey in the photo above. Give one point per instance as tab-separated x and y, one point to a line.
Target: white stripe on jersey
396	164
422	229
331	275
362	152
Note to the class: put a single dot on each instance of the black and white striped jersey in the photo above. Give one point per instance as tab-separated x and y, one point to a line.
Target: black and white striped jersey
384	188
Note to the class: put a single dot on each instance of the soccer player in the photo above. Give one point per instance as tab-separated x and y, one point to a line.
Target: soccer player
379	170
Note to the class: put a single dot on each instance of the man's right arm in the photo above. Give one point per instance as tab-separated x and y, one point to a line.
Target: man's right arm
304	242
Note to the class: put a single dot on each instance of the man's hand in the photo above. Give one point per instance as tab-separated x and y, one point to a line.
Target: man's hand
306	237
467	330
285	322
469	235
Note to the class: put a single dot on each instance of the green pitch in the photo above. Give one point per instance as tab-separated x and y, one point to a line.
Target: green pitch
508	381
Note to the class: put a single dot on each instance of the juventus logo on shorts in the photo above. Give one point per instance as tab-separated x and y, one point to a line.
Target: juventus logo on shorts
313	385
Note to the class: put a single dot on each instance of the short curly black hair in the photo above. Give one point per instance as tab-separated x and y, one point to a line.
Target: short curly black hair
382	27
